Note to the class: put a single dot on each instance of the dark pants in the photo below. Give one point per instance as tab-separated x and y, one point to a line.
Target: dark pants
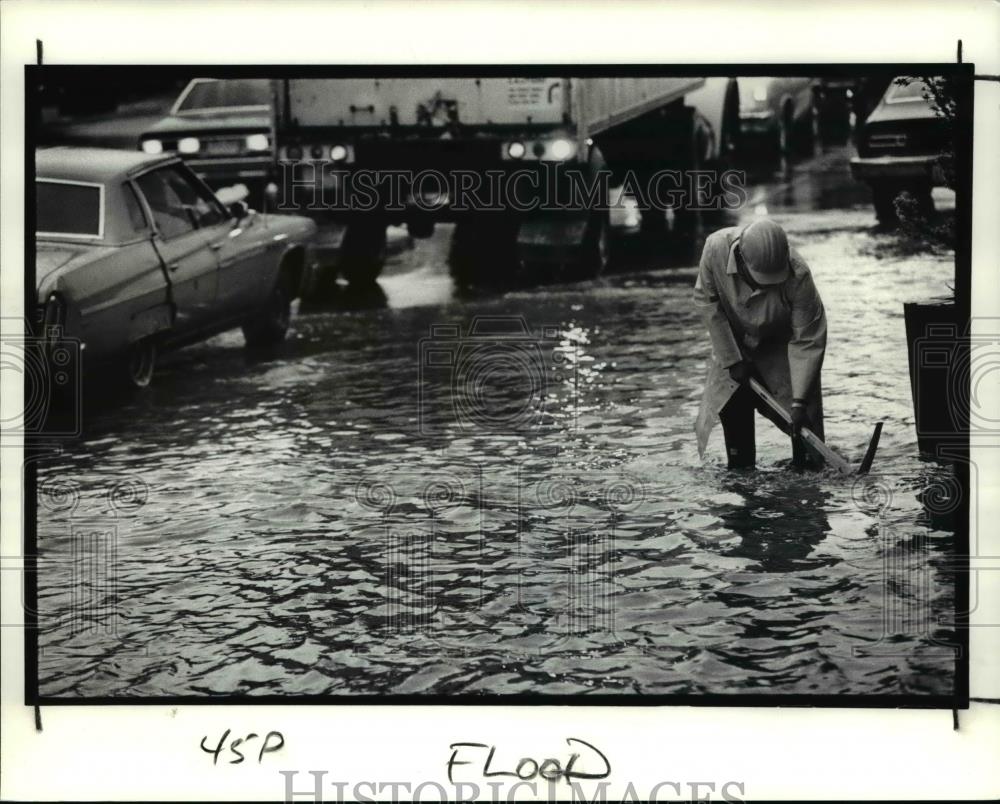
737	418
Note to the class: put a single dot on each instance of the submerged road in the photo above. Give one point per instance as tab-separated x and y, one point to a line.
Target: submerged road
380	507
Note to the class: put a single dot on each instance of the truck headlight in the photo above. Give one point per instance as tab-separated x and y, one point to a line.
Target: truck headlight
188	145
338	153
515	150
258	142
561	149
152	147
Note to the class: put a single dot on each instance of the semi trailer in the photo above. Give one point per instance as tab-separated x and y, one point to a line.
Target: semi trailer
521	165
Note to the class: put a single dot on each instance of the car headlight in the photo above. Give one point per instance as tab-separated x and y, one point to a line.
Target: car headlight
152	147
561	149
338	153
258	142
515	150
188	145
760	94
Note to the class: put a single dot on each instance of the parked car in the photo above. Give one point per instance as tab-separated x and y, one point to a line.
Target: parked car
778	113
900	147
134	253
223	128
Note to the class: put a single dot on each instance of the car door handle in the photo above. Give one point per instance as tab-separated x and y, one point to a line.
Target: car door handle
215	246
173	266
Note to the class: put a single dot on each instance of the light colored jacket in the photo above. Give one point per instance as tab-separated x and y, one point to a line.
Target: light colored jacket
780	329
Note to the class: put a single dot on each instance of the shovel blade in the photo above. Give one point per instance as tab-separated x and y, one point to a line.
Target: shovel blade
866	463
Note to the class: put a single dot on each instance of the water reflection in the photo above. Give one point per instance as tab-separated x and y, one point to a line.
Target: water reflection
776	541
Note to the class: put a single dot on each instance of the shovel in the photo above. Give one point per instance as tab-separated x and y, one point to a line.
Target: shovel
814	442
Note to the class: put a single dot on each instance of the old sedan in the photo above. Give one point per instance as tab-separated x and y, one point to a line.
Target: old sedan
134	253
223	129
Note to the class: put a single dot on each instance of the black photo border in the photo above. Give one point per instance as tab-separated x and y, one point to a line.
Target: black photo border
33	449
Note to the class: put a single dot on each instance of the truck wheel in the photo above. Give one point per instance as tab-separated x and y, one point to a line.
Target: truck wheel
596	248
483	251
140	363
461	256
269	325
363	252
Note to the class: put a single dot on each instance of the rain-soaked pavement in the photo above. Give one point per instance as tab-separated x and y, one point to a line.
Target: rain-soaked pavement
334	519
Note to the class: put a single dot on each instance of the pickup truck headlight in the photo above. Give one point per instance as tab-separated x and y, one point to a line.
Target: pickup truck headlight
258	142
561	149
152	147
515	150
188	145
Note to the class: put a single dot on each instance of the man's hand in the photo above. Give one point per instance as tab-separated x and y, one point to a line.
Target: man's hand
799	417
741	372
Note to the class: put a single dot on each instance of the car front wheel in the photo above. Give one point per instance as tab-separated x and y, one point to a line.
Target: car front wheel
140	363
269	325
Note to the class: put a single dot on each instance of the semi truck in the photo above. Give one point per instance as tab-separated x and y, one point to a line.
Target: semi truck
520	165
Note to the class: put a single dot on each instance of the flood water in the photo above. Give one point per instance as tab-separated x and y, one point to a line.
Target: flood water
381	507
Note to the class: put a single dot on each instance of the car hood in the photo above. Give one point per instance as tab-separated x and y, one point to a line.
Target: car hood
212	121
55	257
910	110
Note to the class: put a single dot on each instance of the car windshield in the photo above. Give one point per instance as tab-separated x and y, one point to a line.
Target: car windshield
914	90
223	94
68	208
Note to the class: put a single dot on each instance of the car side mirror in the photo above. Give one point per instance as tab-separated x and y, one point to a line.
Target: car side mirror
239	210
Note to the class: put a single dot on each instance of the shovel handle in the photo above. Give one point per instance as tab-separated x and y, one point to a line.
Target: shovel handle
813	441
